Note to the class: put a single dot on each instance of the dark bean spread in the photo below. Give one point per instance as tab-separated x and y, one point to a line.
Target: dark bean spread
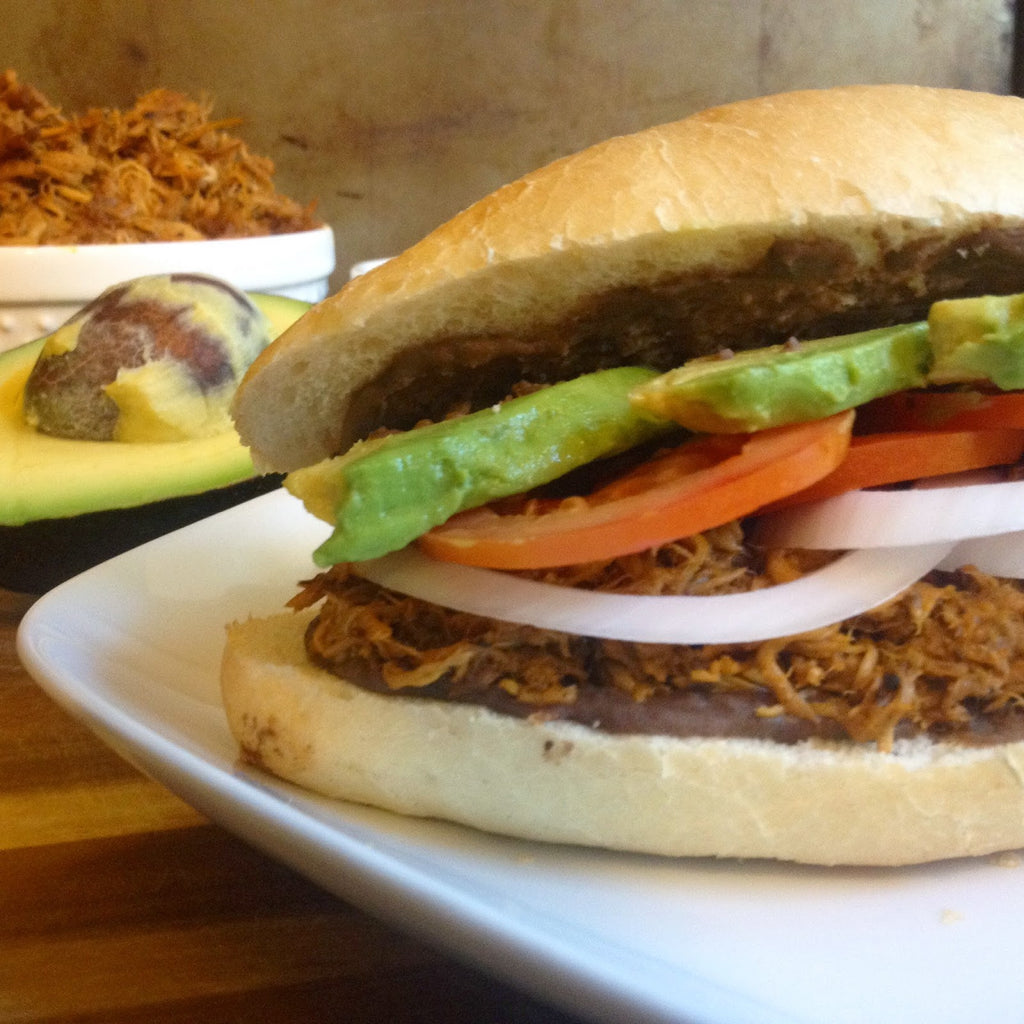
799	288
699	710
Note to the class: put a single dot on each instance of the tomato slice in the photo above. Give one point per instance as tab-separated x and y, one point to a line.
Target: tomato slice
874	460
695	487
943	410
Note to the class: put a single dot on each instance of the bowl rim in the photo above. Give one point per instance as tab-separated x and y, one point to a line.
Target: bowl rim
78	273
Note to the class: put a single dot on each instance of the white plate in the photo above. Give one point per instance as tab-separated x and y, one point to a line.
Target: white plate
132	647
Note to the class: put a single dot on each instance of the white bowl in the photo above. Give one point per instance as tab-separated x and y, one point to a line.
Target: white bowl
42	285
365	266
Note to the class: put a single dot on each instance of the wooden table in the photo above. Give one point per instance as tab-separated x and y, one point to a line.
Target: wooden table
119	903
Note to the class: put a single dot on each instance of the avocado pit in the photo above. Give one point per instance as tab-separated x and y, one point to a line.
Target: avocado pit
155	359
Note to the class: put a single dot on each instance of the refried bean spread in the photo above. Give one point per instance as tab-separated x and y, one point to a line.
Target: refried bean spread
803	288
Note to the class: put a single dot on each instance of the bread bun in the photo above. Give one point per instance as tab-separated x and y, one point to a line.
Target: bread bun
803	214
800	213
812	802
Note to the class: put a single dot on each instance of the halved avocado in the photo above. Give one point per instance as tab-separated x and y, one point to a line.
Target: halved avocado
68	504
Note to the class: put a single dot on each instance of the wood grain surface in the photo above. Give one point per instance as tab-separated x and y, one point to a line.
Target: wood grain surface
121	904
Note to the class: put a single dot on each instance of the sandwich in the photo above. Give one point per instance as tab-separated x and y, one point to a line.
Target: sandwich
699	654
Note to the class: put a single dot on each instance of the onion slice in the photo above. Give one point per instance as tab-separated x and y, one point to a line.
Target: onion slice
879	519
853	583
1001	555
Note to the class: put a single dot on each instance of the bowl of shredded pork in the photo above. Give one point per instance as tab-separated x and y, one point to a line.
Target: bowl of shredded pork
91	199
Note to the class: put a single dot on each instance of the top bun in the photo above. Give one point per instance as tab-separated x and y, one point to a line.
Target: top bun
806	213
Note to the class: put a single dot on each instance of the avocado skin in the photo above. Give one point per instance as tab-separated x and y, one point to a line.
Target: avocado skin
37	556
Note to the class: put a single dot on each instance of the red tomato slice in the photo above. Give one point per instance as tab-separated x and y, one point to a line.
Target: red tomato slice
943	410
874	460
697	486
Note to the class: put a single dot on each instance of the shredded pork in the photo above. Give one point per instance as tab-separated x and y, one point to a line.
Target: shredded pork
944	658
158	171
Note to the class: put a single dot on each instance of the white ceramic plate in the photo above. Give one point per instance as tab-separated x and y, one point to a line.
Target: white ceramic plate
132	647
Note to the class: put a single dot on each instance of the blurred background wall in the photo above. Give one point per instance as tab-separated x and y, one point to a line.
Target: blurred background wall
394	114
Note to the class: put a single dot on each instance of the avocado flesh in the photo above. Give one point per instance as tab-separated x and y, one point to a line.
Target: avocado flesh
387	492
770	387
44	477
280	310
978	340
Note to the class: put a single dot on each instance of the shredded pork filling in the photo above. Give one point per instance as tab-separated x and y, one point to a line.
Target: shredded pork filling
160	170
944	658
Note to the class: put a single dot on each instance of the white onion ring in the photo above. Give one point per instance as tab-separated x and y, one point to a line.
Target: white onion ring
852	584
880	519
999	555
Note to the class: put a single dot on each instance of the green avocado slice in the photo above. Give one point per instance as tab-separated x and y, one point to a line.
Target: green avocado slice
386	492
281	311
770	387
44	477
978	339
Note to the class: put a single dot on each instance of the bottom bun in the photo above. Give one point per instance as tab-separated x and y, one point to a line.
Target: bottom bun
813	802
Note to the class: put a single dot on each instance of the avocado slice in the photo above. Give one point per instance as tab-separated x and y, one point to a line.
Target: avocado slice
386	492
66	504
978	339
779	384
281	310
